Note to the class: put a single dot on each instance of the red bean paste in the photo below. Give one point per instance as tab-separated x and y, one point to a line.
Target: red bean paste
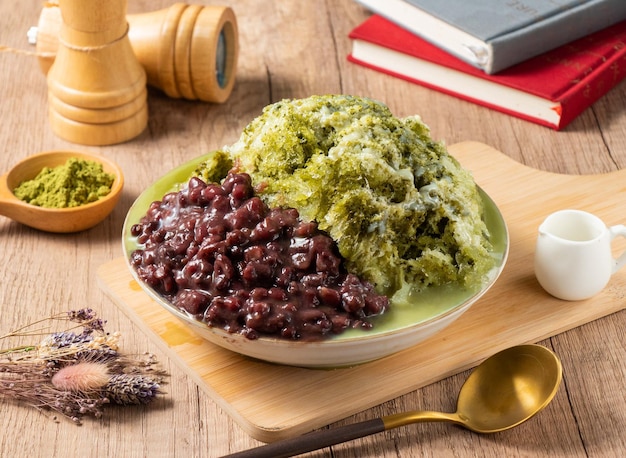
221	255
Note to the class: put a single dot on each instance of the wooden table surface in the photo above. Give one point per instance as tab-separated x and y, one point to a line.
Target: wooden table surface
289	49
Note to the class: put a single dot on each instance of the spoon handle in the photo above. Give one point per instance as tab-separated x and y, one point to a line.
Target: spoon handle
313	441
7	199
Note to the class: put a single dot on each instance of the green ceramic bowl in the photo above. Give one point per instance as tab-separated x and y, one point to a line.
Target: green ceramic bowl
396	330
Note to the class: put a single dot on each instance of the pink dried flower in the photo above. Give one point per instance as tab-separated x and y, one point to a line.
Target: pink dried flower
83	377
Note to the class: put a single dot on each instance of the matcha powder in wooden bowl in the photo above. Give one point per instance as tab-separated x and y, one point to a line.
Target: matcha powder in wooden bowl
77	182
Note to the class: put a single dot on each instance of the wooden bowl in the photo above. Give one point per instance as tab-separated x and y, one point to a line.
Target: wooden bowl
61	220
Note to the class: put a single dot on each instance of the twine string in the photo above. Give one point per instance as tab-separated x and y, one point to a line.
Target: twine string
62	42
94	48
23	52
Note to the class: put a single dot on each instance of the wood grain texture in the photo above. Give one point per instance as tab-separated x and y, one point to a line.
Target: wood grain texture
290	48
273	402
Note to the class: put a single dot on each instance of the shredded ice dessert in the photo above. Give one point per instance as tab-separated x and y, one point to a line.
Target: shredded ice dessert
402	210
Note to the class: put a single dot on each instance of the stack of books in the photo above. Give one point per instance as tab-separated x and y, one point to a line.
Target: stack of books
544	61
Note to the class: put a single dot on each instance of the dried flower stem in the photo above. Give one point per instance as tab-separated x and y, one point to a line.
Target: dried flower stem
83	318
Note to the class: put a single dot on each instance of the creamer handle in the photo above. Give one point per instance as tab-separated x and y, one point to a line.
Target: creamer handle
615	232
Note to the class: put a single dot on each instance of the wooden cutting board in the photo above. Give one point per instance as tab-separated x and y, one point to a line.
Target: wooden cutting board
273	402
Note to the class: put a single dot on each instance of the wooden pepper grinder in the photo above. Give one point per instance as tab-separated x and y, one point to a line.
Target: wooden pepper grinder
187	51
96	87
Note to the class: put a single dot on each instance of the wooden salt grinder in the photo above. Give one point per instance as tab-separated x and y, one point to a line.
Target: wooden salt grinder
96	87
187	51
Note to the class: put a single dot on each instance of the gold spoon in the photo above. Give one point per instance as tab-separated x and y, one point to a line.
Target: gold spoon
505	390
72	219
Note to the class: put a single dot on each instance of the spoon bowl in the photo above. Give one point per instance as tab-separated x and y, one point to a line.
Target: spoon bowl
508	388
60	220
505	390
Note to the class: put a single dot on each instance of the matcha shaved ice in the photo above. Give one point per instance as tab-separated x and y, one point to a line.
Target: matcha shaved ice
402	211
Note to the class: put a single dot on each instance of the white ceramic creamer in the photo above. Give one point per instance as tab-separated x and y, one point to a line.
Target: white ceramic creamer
573	256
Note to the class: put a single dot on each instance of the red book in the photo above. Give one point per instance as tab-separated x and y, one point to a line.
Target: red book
550	89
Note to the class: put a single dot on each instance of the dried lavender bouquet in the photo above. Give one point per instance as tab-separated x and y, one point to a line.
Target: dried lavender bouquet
77	371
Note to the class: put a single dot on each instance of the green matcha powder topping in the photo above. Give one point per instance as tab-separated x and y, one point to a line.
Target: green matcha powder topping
77	182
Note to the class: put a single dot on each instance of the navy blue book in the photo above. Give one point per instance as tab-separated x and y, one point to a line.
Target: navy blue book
496	34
